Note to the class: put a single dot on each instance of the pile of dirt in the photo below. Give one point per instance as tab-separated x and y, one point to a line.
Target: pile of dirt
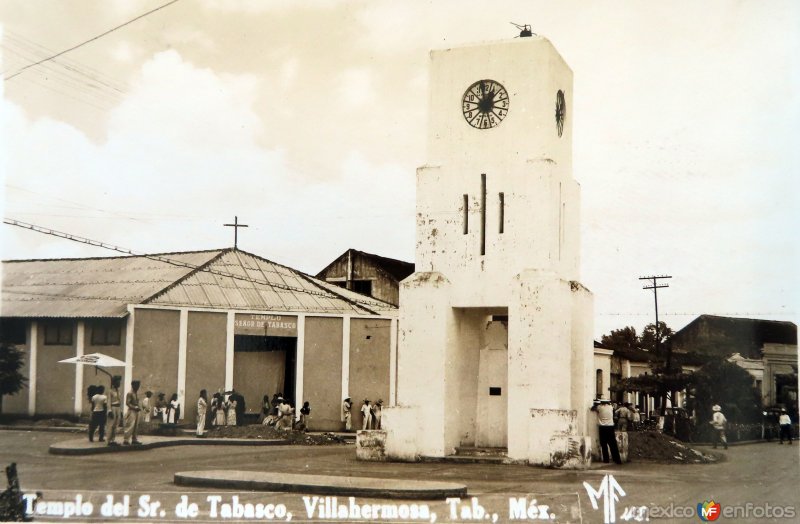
653	446
258	431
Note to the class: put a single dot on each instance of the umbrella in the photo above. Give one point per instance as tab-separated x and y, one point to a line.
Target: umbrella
98	360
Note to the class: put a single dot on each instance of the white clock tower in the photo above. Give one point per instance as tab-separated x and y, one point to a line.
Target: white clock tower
495	346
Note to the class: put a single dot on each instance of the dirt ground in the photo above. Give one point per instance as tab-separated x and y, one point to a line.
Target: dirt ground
656	447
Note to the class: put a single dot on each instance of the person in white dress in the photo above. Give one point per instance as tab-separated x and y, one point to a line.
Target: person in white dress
202	406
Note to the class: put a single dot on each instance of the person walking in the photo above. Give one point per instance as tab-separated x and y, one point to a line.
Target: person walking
114	410
99	409
132	415
605	424
202	406
347	405
785	422
719	422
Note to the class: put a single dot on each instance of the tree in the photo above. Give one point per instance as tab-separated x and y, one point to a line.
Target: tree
666	378
724	383
648	339
625	338
11	378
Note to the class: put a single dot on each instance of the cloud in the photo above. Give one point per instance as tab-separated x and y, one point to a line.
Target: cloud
182	157
356	88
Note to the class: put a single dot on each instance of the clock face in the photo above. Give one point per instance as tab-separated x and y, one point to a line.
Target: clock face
485	104
561	112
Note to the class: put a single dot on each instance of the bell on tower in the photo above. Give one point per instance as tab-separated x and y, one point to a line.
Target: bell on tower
495	346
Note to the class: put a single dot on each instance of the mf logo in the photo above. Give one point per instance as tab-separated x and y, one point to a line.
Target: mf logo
609	491
708	510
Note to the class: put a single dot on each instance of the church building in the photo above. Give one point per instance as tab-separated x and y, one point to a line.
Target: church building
182	322
495	344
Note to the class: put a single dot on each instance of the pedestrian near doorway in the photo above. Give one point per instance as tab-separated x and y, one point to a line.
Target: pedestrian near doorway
605	424
202	407
719	423
785	422
347	405
114	410
305	412
99	409
132	415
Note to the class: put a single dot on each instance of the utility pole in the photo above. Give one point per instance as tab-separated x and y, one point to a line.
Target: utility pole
655	287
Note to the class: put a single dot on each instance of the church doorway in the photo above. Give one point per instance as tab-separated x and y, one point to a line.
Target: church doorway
264	366
264	357
491	418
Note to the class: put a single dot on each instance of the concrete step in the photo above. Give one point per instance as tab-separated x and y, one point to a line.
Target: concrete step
467	451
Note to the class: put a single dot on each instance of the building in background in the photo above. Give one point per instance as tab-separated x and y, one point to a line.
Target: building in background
767	349
368	274
188	321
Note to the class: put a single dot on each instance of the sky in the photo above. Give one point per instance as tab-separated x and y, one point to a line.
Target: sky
306	119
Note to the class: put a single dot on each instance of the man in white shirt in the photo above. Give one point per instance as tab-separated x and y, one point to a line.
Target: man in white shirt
786	426
605	424
366	412
99	408
718	421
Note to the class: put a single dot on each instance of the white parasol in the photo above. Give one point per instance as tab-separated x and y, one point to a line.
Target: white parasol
98	360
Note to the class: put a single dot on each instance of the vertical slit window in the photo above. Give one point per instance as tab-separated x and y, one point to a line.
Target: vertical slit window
466	214
502	212
483	213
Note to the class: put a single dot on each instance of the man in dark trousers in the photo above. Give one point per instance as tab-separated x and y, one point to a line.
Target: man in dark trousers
605	423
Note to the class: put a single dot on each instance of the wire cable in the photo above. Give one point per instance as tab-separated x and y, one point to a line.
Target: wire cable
20	71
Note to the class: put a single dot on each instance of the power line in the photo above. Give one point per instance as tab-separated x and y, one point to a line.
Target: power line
326	293
20	71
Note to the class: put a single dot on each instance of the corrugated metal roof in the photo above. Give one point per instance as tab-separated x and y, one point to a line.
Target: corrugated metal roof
89	287
264	285
223	279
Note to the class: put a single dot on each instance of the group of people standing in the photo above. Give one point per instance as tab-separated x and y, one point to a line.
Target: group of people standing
370	414
224	409
107	412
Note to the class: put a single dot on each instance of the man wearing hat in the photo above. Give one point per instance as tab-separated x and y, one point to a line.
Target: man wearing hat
786	426
605	425
132	415
366	412
718	421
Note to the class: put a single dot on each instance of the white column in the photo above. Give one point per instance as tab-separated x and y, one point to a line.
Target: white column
393	363
34	349
300	361
183	335
79	346
229	352
345	357
126	383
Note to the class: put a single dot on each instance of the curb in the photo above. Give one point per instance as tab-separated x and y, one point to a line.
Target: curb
55	429
320	484
65	448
